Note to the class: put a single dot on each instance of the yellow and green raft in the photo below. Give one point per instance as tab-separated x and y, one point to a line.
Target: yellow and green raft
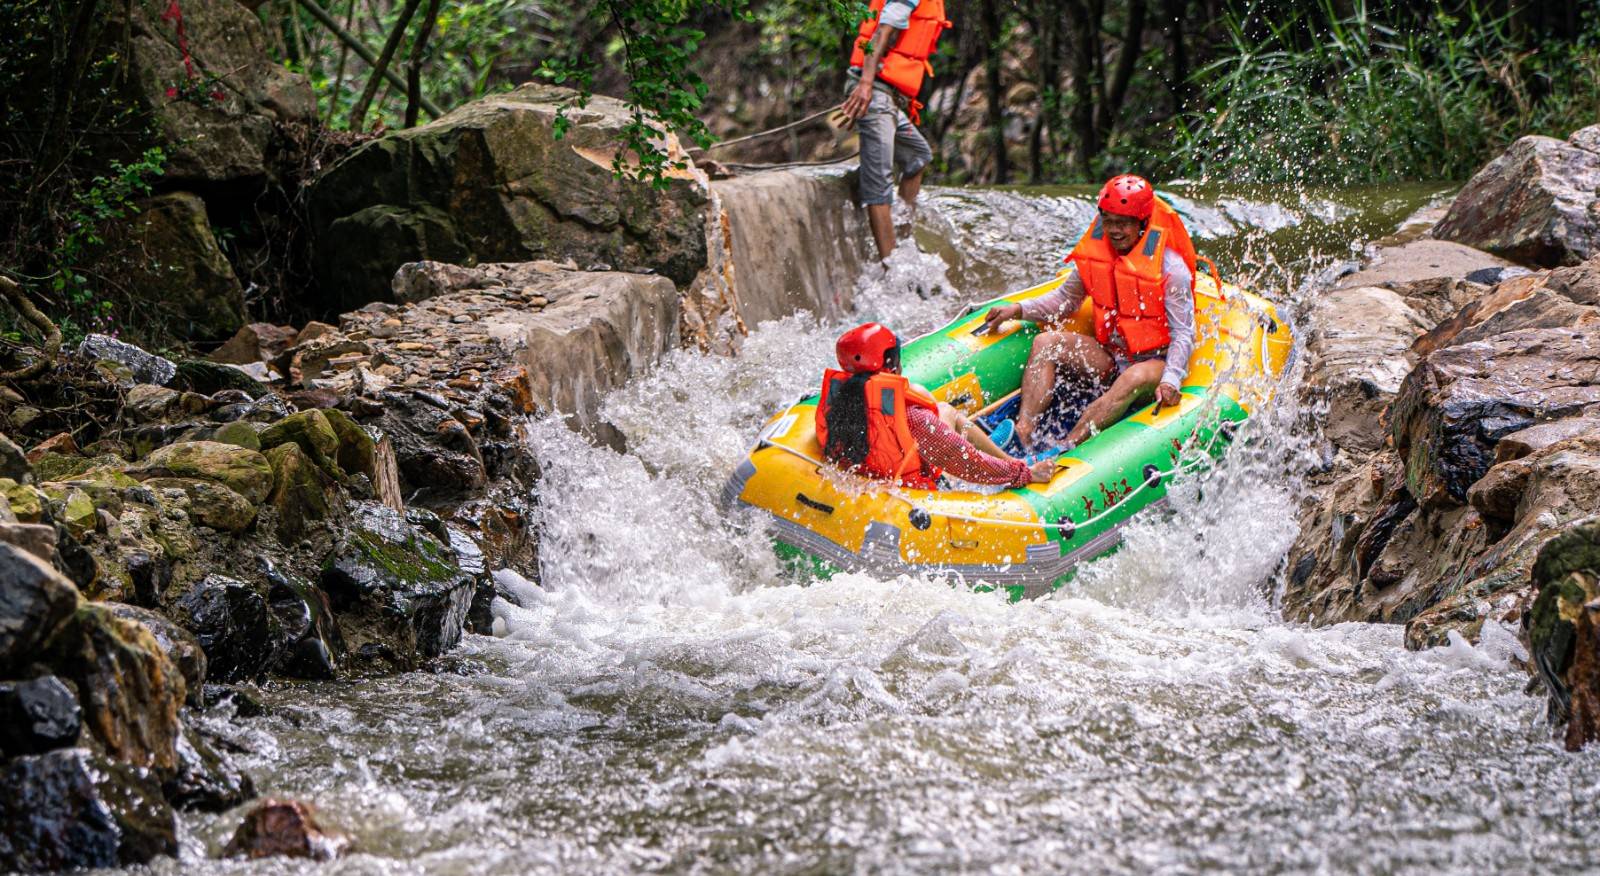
1028	539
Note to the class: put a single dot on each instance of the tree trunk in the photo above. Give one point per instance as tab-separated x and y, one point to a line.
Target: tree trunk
358	114
1122	73
1177	57
360	48
996	118
414	65
1083	86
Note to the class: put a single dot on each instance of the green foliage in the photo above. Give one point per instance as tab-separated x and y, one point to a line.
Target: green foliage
664	93
1326	97
106	200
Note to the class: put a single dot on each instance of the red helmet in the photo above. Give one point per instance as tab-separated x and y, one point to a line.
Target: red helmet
866	348
1128	195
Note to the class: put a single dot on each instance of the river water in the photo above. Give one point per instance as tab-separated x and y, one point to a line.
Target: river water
666	700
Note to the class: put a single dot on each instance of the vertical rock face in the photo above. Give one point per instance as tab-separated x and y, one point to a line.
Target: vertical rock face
72	809
212	139
1536	203
491	182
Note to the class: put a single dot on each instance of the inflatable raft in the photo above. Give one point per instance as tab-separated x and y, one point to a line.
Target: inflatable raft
1027	539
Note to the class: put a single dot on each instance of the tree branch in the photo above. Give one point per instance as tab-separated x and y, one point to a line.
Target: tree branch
360	48
358	114
52	333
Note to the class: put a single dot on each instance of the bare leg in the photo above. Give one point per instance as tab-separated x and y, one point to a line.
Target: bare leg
1052	351
910	186
1138	382
971	431
882	228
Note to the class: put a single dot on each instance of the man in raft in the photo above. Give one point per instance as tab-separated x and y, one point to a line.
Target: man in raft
1136	263
888	63
873	421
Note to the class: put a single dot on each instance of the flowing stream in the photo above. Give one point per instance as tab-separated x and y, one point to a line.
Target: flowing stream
666	699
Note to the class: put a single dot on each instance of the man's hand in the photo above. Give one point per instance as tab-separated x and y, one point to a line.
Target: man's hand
1167	395
855	106
998	316
1041	471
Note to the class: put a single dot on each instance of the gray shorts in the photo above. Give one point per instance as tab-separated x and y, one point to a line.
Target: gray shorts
887	138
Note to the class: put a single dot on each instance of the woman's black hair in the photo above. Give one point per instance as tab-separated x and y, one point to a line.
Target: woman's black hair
847	414
847	421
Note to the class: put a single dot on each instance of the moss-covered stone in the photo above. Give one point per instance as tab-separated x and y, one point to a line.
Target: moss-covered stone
71	506
63	467
208	503
357	451
314	435
302	492
239	433
27	503
1563	628
244	471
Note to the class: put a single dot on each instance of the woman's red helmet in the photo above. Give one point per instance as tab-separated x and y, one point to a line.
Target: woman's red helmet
868	348
1128	195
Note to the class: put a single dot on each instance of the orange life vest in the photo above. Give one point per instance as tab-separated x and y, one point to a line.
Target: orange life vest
906	62
1129	294
891	451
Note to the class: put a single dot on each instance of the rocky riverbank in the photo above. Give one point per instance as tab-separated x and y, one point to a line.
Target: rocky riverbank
1462	397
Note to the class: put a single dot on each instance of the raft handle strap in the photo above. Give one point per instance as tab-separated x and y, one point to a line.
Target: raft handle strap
1215	277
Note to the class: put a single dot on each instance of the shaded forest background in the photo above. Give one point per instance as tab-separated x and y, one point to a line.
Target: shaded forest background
1037	91
1025	91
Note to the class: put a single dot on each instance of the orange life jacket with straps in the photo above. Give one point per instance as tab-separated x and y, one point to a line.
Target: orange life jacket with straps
891	451
1129	294
906	62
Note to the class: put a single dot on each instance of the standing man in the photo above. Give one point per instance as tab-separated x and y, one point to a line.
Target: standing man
888	65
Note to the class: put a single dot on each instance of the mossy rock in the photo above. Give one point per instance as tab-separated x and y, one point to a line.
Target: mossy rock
27	503
244	471
209	503
71	506
302	492
64	467
357	451
239	433
313	433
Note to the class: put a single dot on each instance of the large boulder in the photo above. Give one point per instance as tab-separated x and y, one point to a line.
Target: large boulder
34	601
230	620
1563	630
1461	400
1359	350
37	715
1536	203
72	809
491	182
240	469
400	593
130	691
177	273
221	131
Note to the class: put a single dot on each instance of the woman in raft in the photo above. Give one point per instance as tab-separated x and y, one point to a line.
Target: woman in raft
873	421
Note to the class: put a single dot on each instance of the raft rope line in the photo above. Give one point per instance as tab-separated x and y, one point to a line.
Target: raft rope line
778	130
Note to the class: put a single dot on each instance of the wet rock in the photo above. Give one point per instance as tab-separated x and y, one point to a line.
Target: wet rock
242	703
61	443
246	472
432	452
302	492
397	586
207	503
129	691
1533	203
13	462
1416	261
255	342
1460	401
1541	435
37	716
180	645
309	644
530	196
34	601
285	828
229	618
146	367
1563	631
1359	352
1544	300
206	779
305	363
204	377
73	809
